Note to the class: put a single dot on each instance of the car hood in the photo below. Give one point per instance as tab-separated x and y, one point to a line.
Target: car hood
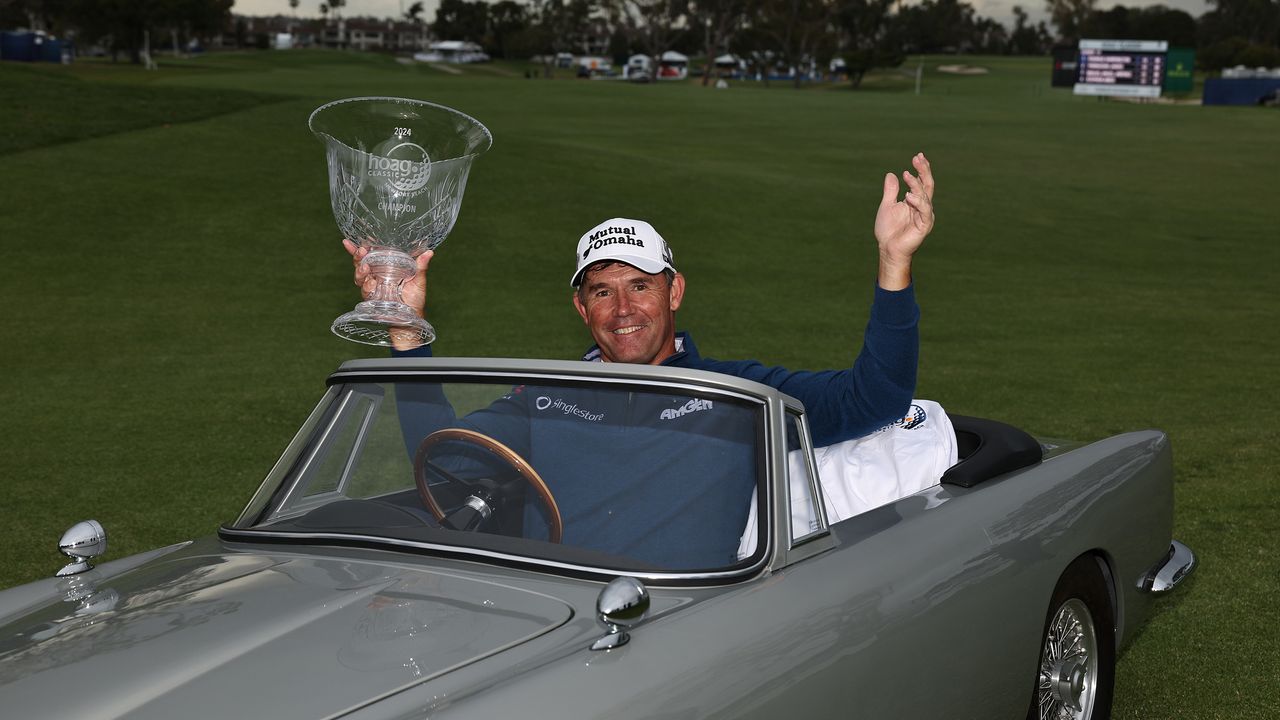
281	636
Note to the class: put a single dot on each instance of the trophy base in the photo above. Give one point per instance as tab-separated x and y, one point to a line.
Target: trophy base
373	322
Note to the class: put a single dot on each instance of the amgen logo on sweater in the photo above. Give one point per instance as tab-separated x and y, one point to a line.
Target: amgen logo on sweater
690	407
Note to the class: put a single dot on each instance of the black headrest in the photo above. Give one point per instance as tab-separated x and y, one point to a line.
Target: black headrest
988	448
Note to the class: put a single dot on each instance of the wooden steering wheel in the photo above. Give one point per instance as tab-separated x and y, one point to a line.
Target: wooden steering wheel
506	454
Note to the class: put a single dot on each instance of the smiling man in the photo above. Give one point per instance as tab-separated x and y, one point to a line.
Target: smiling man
628	291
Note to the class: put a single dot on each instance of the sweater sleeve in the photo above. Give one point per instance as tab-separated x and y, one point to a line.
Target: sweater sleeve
874	392
423	409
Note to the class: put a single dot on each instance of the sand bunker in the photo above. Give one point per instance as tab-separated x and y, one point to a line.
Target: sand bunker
963	69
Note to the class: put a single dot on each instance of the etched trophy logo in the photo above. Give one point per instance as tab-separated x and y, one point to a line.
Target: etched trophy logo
406	166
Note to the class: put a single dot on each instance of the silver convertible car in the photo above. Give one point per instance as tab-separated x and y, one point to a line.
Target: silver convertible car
460	538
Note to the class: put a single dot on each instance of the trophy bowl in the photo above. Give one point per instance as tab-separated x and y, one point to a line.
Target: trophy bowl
397	171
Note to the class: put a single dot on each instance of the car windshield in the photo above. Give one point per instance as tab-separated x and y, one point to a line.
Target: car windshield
614	476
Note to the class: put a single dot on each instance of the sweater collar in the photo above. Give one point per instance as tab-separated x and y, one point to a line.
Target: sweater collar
685	349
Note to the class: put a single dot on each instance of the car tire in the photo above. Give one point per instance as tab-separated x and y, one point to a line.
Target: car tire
1075	676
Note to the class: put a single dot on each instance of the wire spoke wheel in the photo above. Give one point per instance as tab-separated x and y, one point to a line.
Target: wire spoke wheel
1076	676
1069	665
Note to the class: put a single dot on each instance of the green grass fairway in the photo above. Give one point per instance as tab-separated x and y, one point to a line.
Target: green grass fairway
170	267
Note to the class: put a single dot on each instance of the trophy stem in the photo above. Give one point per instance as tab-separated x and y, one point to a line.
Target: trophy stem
384	315
391	268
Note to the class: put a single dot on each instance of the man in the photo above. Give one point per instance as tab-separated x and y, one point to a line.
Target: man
627	295
627	292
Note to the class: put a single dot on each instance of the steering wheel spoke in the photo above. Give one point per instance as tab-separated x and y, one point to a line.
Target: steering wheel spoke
448	476
489	486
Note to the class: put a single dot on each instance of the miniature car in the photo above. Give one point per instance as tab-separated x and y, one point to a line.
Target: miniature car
480	538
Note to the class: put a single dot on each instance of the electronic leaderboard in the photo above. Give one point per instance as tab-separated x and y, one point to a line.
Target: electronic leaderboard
1123	68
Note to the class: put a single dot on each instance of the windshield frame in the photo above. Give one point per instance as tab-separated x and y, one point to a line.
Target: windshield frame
771	455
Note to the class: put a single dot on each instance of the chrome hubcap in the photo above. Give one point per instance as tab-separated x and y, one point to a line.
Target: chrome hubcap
1069	665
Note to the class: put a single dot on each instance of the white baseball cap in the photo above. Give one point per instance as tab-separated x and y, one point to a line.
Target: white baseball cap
633	242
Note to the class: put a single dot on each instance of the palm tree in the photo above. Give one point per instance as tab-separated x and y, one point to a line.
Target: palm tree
414	15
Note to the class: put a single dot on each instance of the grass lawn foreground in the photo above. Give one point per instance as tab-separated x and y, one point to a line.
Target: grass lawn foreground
170	266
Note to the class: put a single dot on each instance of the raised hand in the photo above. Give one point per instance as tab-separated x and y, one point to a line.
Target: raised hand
902	225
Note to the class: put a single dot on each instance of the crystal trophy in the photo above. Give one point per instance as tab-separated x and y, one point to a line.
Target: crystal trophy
397	171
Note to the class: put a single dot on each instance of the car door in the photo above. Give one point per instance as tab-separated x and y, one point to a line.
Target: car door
920	608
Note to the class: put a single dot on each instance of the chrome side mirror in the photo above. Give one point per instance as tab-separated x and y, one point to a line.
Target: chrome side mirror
621	604
84	541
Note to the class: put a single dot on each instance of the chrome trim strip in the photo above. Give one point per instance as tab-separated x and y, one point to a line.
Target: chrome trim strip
525	377
307	504
345	403
362	437
815	486
490	554
1175	568
261	496
660	375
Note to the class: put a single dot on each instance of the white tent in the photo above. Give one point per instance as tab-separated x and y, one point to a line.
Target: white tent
638	67
452	51
730	66
674	66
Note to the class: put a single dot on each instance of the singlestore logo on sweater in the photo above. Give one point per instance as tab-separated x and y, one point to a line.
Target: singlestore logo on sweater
545	403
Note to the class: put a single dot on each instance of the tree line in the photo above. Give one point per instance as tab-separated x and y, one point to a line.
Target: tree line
770	34
863	33
121	26
1233	32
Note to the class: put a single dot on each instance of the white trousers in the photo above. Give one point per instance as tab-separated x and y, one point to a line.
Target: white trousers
857	475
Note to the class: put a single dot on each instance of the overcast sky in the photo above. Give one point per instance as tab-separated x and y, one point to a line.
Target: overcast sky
998	9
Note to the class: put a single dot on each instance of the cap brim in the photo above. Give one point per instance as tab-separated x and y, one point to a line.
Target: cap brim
645	264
